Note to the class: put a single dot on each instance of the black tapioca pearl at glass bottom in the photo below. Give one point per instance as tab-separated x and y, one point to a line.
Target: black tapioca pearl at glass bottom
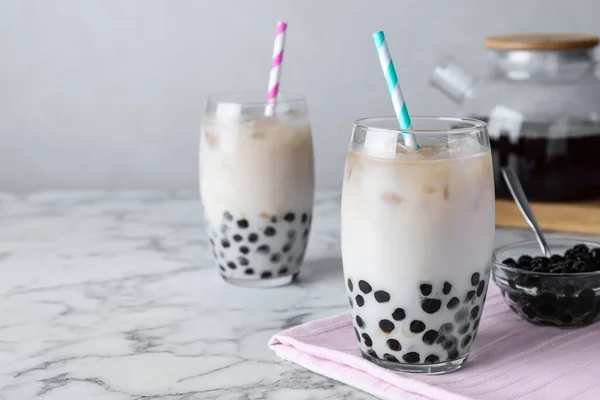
225	243
441	339
244	250
350	285
372	353
243	223
529	312
283	270
452	354
475	326
461	315
367	340
275	258
266	275
237	238
222	268
386	325
253	238
360	322
227	216
249	271
426	289
566	318
446	329
475	312
431	306
453	303
243	261
399	314
364	287
465	341
289	217
475	278
417	326
360	301
390	358
449	343
470	295
587	293
270	231
430	337
231	265
412	357
431	359
382	296
393	344
447	288
286	247
464	328
263	249
481	287
304	218
569	290
357	335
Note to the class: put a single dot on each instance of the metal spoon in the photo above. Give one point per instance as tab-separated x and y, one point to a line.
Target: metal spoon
516	190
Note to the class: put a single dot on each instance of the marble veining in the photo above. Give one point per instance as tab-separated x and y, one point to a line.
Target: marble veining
114	295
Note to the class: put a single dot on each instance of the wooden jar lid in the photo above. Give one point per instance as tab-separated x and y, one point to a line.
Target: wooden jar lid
541	41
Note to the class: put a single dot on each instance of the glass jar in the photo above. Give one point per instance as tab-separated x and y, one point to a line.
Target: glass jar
541	100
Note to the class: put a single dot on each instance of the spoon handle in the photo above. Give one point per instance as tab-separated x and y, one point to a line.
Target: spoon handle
517	192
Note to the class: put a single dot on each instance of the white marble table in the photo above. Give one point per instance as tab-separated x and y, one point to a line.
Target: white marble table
114	296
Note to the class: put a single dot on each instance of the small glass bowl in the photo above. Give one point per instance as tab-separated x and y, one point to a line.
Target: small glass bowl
564	299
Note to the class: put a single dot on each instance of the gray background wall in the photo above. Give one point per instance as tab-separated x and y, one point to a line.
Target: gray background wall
109	94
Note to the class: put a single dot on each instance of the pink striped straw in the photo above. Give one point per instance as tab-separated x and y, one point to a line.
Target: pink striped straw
276	68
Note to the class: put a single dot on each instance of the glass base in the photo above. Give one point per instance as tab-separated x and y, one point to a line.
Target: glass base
261	283
431	369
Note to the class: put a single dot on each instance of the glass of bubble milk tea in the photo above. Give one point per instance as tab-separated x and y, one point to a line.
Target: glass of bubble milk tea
417	236
257	186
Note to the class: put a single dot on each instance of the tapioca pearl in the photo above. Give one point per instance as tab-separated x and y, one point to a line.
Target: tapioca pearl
263	249
357	335
449	344
417	326
225	243
253	238
244	250
382	296
431	359
386	325
431	306
286	247
461	315
430	337
475	279
399	314
453	354
587	292
569	290
475	312
441	339
453	303
249	271
412	357
266	274
367	340
393	344
447	288
350	302
529	312
237	238
350	285
476	325
364	287
566	318
465	341
480	288
446	329
289	217
222	268
243	223
275	258
464	328
305	234
372	353
426	289
390	358
470	295
270	231
243	261
304	218
360	322
360	301
231	265
227	216
273	219
291	234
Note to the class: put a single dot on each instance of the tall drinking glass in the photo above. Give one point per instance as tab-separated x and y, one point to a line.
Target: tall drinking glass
417	237
257	186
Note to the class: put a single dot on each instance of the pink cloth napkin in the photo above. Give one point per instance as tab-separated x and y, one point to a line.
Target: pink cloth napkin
510	359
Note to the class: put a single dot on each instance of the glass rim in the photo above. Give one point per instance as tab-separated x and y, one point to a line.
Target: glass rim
252	97
475	125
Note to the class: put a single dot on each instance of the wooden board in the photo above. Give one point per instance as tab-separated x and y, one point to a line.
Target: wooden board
583	218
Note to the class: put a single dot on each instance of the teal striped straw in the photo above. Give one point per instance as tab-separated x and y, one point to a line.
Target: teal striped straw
387	65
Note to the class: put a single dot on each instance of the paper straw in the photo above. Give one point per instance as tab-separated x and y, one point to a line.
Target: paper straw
276	67
387	65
